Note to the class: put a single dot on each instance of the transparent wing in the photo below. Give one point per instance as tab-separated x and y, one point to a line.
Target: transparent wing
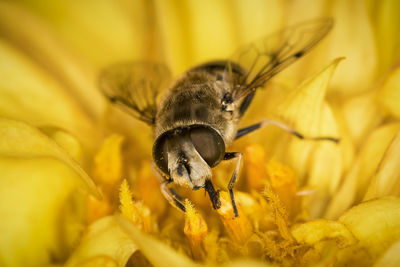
265	58
134	86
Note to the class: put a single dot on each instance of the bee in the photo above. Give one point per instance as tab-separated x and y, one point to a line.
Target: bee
196	118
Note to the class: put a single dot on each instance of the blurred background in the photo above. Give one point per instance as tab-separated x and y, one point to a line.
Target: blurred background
51	53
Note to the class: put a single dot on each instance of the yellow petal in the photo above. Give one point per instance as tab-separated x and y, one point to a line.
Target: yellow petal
303	110
387	178
376	224
98	208
362	114
107	169
66	141
155	251
174	34
254	167
117	36
20	140
29	94
316	231
358	178
391	257
299	10
352	37
303	106
41	208
217	27
104	238
99	261
248	263
389	94
326	167
186	34
40	43
251	23
386	20
283	182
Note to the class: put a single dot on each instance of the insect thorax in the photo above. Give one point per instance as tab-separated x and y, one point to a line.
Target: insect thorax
196	98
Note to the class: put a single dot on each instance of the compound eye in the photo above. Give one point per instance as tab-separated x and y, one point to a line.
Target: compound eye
209	145
160	154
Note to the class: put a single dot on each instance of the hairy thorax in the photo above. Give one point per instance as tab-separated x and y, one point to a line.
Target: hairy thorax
195	98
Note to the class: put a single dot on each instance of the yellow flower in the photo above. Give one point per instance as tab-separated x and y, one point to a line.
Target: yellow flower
77	187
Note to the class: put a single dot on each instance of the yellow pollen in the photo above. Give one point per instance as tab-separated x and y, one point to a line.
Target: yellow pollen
239	228
137	212
195	230
125	198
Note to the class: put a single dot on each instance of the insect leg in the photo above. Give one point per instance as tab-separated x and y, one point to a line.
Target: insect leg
214	195
171	196
251	128
228	156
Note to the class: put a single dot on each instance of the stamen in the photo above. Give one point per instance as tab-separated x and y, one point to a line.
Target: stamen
195	230
283	183
238	228
136	212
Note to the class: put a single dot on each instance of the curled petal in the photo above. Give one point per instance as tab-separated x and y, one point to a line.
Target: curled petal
312	232
376	224
41	209
66	141
156	252
104	241
20	140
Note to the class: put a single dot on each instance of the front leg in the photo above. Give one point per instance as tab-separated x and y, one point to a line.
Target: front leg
214	195
173	198
228	156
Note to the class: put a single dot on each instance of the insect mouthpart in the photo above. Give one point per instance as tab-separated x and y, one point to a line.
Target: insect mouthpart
205	142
